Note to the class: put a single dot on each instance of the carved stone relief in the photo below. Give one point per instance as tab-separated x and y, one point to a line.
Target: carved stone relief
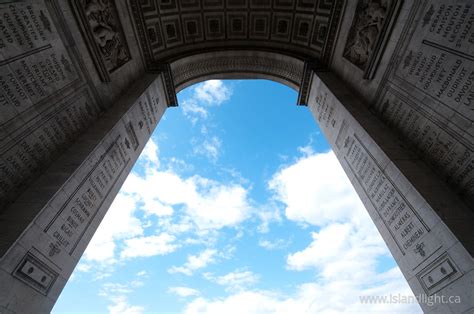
369	31
103	33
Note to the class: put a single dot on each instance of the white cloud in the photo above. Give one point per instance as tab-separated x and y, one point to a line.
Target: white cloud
274	244
347	248
315	190
119	223
120	305
110	289
117	294
193	111
344	252
347	245
210	148
208	93
334	297
195	262
209	204
82	267
184	292
150	153
236	280
267	215
142	273
213	92
204	206
149	246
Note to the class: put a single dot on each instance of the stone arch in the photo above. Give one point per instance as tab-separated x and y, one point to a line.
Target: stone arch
406	148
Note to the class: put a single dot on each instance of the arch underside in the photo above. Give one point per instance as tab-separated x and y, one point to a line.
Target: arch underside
236	39
237	65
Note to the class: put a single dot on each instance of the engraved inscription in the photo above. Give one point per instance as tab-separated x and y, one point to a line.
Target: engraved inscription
341	135
34	63
449	154
428	95
401	220
79	211
149	111
132	139
439	62
30	148
397	215
325	110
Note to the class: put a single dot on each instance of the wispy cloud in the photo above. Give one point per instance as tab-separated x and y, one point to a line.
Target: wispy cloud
205	95
209	148
118	294
274	244
195	262
120	305
149	246
194	204
183	292
236	280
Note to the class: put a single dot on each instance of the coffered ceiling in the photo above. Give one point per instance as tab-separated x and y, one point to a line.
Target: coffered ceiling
171	29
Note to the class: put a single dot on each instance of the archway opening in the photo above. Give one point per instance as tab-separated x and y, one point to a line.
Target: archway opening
236	203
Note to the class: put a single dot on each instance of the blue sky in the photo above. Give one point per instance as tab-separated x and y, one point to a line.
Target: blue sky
236	205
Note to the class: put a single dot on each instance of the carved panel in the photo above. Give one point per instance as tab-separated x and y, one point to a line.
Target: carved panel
438	274
35	273
369	32
103	32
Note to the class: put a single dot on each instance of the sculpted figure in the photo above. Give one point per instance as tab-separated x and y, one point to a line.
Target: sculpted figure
370	16
103	25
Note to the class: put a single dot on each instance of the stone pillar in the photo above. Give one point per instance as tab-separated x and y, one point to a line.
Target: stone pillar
404	198
49	234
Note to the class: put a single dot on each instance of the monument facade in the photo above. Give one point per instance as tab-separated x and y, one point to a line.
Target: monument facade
85	82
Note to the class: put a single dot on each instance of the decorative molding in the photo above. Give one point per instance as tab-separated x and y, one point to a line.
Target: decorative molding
170	91
306	79
101	28
371	27
284	69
